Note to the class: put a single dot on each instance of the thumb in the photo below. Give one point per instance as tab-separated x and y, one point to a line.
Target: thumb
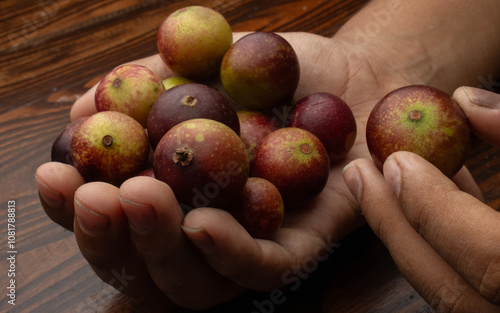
482	108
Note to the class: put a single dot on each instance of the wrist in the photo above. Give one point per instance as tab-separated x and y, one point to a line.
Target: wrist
445	44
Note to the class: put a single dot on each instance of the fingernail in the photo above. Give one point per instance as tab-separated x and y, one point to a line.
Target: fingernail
482	97
90	221
140	216
352	179
392	174
50	196
199	237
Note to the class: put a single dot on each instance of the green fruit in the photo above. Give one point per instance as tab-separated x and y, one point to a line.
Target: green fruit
131	89
193	40
109	146
175	81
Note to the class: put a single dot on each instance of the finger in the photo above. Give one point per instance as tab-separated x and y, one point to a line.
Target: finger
57	183
176	266
483	111
85	105
255	263
429	274
465	182
101	231
463	230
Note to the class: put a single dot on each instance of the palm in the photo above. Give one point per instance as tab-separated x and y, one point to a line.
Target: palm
176	266
329	65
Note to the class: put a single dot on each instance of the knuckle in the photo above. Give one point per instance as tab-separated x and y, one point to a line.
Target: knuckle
448	297
489	285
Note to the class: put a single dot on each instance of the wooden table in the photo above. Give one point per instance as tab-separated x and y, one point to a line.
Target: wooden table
51	52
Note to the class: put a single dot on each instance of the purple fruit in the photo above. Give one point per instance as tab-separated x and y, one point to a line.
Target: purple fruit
61	148
203	161
329	118
185	102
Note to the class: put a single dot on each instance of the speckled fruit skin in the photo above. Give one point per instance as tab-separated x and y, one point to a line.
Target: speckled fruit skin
204	162
295	161
259	208
254	127
189	101
131	89
109	146
261	70
423	120
329	118
193	40
61	147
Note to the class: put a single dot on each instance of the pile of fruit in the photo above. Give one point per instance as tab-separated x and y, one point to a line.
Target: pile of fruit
192	137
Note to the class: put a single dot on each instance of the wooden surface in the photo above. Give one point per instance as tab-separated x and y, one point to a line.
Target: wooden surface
51	51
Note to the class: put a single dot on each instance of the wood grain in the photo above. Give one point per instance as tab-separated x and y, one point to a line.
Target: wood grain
51	51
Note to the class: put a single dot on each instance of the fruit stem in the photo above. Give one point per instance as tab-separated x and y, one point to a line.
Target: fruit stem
183	156
107	141
415	115
189	101
117	83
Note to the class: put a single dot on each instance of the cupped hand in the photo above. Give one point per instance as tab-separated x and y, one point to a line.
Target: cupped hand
206	257
444	240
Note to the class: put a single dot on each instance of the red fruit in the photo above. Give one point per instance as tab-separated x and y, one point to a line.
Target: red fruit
254	127
423	120
204	162
259	209
149	172
329	118
295	161
261	70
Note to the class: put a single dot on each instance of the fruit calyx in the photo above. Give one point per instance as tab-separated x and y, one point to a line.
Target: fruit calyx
189	101
117	82
107	141
415	115
183	156
305	148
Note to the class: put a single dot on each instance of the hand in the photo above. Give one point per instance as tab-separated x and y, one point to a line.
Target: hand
442	239
207	257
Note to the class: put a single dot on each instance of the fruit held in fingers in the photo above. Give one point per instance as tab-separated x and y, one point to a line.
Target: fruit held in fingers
423	120
203	161
109	146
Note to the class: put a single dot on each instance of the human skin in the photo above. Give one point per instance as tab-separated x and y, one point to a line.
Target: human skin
443	240
445	44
